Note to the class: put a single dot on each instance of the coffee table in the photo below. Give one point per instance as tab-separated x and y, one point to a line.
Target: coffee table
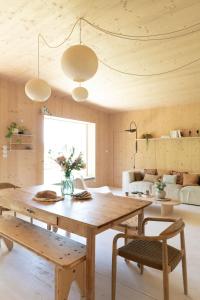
167	204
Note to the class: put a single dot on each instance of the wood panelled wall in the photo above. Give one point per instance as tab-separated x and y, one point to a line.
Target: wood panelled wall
26	167
164	154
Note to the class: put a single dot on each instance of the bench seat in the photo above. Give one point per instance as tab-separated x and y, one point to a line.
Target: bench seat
68	255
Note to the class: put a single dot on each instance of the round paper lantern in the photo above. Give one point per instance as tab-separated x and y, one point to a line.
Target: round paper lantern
37	90
79	63
80	94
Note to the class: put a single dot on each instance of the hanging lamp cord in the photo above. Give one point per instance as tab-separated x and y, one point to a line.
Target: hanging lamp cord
142	38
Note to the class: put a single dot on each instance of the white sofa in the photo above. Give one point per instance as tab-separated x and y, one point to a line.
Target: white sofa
187	194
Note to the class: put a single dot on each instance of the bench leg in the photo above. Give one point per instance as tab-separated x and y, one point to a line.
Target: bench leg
63	283
8	243
80	278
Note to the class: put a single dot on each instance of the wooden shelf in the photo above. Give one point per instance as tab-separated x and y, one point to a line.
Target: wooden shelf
19	142
166	139
21	134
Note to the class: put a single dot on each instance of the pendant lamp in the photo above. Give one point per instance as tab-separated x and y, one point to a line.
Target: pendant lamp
80	94
37	90
79	63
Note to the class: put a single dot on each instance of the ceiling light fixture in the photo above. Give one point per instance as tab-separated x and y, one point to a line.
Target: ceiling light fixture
80	94
38	89
79	62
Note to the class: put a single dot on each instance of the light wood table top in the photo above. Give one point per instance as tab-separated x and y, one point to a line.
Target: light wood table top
99	211
86	218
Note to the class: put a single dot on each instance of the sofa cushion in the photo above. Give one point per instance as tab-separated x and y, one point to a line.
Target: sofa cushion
190	179
179	176
170	179
140	186
151	178
138	176
150	171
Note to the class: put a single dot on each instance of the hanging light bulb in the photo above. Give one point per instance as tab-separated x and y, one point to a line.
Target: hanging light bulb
37	90
79	94
79	63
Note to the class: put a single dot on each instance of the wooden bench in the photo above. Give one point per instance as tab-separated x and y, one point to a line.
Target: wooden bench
68	255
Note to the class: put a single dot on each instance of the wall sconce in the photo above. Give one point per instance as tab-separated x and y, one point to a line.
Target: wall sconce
133	129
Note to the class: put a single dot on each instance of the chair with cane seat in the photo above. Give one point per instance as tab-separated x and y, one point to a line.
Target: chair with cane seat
153	251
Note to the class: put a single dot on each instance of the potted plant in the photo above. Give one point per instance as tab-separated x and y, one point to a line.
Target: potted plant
68	164
13	128
160	189
22	129
147	136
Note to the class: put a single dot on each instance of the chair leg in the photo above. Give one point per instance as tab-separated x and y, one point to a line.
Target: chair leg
31	220
166	285
184	269
113	278
184	266
55	229
48	227
165	271
68	234
63	281
126	233
80	278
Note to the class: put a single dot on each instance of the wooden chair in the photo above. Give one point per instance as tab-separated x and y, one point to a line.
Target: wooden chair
153	251
68	255
6	185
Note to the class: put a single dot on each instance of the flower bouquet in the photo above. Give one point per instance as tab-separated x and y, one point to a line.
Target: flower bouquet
68	164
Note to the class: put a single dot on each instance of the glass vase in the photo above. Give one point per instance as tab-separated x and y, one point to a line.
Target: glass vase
67	185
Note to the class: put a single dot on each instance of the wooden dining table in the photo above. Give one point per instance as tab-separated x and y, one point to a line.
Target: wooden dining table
85	218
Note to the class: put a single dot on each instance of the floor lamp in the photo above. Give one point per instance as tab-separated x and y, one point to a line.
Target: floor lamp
133	129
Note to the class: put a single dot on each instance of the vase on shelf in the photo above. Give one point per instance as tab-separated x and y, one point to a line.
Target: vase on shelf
67	185
160	194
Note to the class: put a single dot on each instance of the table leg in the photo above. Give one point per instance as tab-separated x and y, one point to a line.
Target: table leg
90	265
166	210
140	220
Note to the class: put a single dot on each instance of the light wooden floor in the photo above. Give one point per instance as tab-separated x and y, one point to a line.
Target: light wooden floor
24	276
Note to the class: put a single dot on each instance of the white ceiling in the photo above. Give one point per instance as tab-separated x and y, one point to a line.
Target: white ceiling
22	20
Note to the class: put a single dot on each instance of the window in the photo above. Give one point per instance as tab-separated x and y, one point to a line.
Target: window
60	135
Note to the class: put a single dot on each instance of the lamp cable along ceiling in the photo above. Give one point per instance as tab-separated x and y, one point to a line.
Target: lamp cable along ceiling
80	63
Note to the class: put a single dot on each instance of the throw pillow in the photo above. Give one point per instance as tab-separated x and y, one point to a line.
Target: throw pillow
151	178
190	179
179	176
171	179
150	171
138	176
162	172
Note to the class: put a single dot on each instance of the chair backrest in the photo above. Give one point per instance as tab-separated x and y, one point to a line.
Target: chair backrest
173	229
79	183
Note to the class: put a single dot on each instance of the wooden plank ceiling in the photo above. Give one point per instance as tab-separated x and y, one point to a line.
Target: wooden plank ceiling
22	20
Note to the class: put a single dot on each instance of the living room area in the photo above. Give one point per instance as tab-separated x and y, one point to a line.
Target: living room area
84	161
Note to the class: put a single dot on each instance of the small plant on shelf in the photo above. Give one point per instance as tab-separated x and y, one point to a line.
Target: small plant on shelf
147	136
13	128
